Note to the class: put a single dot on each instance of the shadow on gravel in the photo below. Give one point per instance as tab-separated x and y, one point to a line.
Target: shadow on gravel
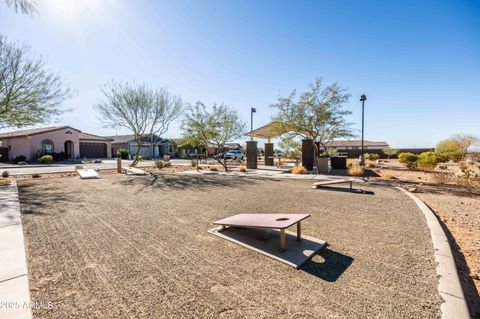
199	182
333	266
33	198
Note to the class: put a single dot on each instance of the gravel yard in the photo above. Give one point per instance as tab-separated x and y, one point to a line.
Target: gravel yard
138	247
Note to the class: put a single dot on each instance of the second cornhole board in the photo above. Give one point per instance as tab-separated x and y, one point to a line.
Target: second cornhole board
332	182
87	173
134	171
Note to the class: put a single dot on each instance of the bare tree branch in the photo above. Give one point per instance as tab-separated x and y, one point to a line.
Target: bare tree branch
146	112
25	6
29	94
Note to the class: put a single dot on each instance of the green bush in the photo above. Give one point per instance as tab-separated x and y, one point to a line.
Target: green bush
45	159
455	156
5	174
159	164
429	160
19	158
371	156
409	159
194	163
123	152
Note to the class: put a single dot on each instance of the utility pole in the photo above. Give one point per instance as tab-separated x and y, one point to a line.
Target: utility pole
363	98
252	110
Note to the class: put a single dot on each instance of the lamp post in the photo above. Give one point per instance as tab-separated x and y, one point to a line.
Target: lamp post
252	110
363	98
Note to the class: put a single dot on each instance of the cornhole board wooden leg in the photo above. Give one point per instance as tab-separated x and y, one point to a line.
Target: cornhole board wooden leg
282	240
299	231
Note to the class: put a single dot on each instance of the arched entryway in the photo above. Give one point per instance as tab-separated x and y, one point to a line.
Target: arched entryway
68	149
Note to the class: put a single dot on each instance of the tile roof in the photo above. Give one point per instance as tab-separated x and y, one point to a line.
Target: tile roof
122	138
87	136
34	131
356	143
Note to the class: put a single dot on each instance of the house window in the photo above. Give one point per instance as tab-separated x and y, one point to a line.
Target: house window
47	147
170	148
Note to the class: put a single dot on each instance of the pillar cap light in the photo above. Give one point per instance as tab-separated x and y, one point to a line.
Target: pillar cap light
363	97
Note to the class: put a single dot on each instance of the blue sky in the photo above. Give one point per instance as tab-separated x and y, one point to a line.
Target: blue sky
418	62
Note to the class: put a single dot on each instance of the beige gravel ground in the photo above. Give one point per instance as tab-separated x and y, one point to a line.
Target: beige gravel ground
138	247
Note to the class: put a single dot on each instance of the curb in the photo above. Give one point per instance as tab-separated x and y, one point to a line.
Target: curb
449	286
14	289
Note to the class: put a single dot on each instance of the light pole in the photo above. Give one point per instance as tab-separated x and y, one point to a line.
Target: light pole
363	98
252	110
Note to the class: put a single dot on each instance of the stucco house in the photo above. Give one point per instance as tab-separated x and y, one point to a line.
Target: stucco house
153	146
73	143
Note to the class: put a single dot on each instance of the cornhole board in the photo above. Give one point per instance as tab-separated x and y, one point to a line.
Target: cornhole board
87	173
267	235
332	182
134	171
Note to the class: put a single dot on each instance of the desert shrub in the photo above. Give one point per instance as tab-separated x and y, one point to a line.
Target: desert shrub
429	160
441	178
19	158
409	159
351	162
449	145
168	164
35	175
298	170
194	163
213	169
371	156
463	166
443	167
45	159
355	170
159	164
123	152
369	165
4	182
5	174
455	156
242	169
390	152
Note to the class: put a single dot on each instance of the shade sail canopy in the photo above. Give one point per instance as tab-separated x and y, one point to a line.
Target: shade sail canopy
269	131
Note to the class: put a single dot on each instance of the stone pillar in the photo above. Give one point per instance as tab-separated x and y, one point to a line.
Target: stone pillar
307	154
268	154
119	164
252	154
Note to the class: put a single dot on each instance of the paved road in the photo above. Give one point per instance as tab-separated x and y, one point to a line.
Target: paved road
58	168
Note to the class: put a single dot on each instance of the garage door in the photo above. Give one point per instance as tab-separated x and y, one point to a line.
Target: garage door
93	150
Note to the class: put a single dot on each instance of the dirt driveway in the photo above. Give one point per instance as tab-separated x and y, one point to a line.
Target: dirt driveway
138	247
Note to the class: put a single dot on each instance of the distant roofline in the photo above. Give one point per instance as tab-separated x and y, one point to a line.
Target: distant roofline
35	131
